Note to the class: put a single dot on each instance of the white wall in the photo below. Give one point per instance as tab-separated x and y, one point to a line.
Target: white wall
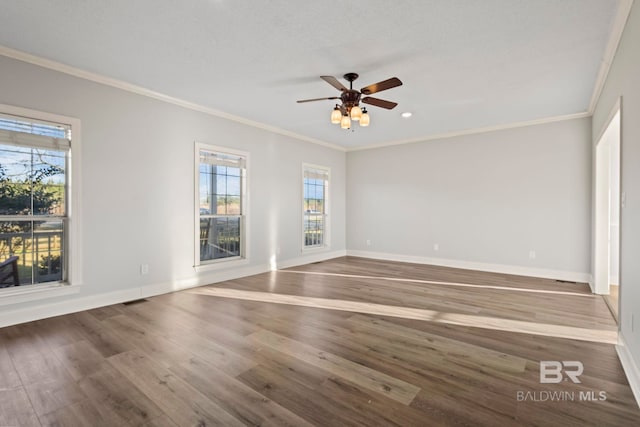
624	81
486	199
138	187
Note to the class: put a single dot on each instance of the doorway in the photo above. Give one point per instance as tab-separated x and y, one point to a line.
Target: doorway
607	215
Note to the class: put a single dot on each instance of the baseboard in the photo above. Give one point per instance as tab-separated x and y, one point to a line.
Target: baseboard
73	305
311	257
202	279
470	265
629	366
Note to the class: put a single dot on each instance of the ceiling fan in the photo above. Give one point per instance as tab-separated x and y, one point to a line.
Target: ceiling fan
350	109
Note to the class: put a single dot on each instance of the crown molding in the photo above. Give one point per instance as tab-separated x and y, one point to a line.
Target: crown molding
619	23
139	90
476	131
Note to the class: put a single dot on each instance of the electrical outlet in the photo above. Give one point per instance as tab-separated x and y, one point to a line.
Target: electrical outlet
436	247
532	254
144	269
368	242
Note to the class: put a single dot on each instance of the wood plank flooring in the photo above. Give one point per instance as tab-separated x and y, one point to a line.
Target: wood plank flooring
205	356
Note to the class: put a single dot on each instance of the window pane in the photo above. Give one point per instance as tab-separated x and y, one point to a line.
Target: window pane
220	183
221	205
15	198
219	238
32	178
48	166
205	208
314	184
39	246
49	200
233	205
313	230
16	239
48	174
233	186
205	190
15	180
47	250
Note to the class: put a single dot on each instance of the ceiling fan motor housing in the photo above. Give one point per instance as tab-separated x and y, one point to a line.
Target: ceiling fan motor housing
350	98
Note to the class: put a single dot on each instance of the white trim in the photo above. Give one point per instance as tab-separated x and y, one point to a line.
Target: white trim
74	215
480	266
221	264
244	214
27	293
45	310
202	280
119	84
108	81
629	366
617	30
310	258
601	206
617	108
476	131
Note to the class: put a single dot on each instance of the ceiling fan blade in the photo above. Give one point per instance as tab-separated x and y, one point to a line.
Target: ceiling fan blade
334	82
379	102
316	99
380	86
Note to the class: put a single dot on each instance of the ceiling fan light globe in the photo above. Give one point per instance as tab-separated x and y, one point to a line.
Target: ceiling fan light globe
345	122
355	113
364	119
336	116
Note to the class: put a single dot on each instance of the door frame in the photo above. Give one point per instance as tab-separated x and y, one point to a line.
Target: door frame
602	203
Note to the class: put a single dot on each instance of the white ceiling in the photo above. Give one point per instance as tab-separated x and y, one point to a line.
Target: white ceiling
465	64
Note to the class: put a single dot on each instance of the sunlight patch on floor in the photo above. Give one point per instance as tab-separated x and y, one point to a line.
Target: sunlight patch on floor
435	282
609	336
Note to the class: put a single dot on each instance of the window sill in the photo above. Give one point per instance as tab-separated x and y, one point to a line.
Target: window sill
27	293
221	264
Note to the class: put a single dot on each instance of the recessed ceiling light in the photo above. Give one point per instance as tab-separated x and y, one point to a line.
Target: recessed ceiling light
407	114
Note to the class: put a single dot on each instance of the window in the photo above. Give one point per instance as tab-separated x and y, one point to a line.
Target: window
34	199
221	204
315	189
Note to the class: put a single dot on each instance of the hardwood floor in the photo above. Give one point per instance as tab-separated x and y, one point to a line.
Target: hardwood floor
321	353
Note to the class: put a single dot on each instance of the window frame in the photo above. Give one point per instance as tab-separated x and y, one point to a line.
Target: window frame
227	262
326	242
72	222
